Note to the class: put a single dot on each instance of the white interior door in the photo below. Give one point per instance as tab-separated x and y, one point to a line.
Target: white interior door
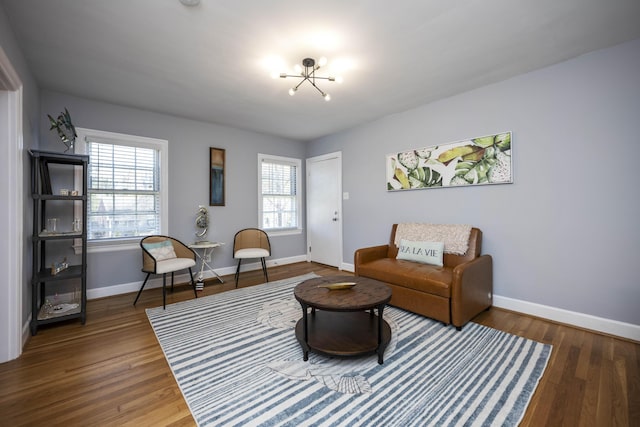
324	209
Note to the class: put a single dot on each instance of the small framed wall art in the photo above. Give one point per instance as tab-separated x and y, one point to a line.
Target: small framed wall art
216	176
475	161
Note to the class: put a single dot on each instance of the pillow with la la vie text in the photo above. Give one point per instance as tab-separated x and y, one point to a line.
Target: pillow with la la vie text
160	250
423	252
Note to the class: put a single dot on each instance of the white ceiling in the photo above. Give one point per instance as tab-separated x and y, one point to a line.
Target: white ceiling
211	62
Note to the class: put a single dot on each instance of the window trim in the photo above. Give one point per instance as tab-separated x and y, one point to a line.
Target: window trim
299	189
162	145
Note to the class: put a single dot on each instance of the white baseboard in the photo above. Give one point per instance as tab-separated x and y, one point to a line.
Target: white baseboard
26	331
348	267
581	320
281	261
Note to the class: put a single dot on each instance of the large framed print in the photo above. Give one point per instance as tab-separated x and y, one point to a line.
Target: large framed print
216	176
476	161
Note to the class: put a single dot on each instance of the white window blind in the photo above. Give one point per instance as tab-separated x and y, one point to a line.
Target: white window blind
279	196
124	191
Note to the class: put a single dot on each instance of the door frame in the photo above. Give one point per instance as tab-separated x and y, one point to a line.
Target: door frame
11	249
335	155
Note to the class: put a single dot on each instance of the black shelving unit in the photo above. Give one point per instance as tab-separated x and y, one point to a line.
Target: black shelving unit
45	280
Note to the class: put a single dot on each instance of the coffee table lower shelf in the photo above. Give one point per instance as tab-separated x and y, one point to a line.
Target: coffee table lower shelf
345	334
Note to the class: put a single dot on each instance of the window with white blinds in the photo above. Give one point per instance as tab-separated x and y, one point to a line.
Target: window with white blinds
279	201
124	191
125	186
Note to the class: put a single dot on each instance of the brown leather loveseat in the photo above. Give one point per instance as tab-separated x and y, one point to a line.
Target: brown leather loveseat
453	294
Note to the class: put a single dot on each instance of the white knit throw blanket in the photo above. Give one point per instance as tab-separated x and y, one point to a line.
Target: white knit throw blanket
454	236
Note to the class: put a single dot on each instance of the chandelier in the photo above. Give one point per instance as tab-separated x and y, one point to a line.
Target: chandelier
308	74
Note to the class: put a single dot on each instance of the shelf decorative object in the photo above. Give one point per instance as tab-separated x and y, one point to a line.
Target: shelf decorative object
64	127
202	222
59	266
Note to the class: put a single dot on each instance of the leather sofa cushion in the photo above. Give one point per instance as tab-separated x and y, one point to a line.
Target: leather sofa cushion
421	277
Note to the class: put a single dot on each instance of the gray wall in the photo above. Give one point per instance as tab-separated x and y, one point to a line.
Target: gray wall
30	94
565	234
189	143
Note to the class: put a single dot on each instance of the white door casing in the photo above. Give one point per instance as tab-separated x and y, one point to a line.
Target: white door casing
11	212
324	209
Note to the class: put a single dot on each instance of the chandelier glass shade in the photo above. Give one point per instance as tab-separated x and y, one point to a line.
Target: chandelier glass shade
307	73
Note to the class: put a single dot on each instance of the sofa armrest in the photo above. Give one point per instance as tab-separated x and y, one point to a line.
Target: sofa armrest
472	289
365	255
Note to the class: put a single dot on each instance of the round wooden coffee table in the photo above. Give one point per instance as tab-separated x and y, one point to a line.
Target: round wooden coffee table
343	322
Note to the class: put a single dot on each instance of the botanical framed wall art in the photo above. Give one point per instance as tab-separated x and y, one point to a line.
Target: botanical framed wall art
476	161
216	176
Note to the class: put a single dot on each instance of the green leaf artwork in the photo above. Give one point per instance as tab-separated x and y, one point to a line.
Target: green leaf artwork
483	160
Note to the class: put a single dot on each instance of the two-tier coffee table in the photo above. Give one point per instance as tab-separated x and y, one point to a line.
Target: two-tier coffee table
343	322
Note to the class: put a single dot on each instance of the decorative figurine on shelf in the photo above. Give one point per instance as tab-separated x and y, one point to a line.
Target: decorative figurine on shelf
59	266
202	222
66	130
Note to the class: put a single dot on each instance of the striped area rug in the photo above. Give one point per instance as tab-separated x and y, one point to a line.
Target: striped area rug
238	363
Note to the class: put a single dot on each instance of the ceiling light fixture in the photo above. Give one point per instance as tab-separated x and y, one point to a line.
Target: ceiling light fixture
190	2
308	74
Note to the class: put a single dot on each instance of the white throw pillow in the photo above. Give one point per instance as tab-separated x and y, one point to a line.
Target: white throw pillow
423	252
160	250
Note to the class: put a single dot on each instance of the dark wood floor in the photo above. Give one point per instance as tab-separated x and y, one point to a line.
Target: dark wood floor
112	371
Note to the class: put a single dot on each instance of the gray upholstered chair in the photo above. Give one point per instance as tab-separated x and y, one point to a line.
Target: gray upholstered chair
162	255
251	243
